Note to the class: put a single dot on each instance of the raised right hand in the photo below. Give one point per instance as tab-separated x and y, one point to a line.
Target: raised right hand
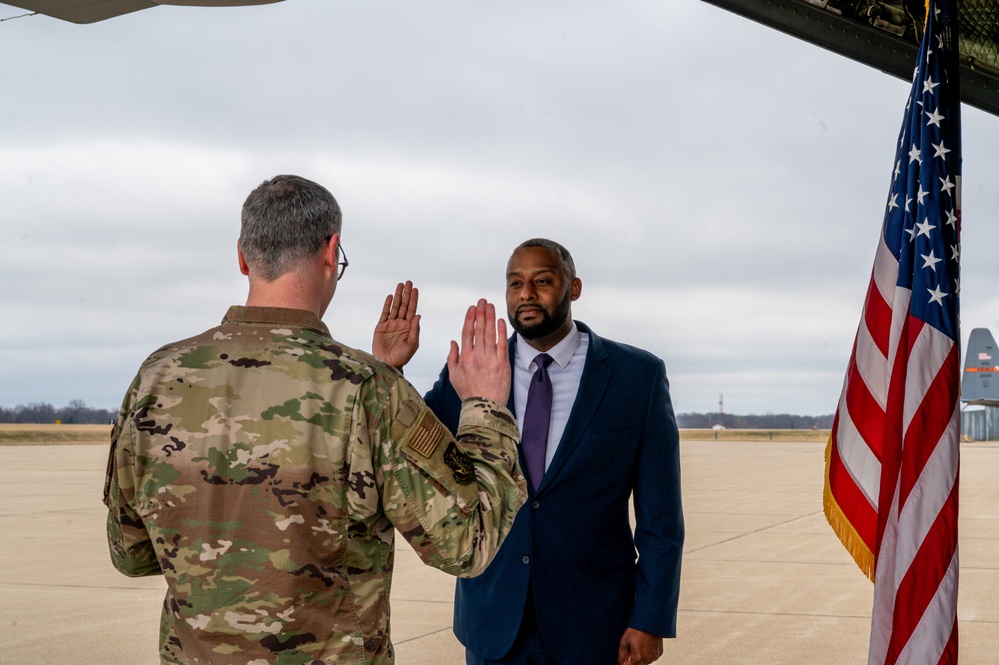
397	334
482	367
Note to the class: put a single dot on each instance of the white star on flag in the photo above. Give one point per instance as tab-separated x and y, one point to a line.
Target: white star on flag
936	295
931	261
946	185
939	150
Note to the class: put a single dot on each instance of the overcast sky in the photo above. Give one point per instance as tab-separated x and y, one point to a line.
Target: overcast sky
720	185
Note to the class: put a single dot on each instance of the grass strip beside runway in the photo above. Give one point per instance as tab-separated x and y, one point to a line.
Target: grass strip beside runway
33	435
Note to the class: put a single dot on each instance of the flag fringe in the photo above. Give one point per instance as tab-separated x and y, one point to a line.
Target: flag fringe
842	527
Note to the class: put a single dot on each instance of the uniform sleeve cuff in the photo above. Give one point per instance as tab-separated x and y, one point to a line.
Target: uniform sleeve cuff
480	411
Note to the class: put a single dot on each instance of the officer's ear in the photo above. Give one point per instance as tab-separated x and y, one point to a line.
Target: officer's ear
331	258
243	265
575	288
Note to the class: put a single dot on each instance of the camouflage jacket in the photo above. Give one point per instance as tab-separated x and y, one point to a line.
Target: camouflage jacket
263	468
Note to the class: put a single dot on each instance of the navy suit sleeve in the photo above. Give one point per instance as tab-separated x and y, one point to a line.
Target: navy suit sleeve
659	527
444	402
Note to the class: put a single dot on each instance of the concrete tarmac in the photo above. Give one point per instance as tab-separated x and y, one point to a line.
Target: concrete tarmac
765	581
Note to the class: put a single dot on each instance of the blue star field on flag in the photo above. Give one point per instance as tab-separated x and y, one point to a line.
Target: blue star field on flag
923	218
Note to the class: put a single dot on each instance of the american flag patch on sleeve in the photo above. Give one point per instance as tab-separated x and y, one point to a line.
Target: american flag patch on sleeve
428	433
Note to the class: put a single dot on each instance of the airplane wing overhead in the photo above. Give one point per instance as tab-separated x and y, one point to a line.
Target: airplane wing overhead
980	383
91	11
885	34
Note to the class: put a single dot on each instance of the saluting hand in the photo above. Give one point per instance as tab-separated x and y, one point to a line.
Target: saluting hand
482	367
397	334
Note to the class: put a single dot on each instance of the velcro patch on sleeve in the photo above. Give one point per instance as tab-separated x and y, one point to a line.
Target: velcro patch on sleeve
460	464
427	434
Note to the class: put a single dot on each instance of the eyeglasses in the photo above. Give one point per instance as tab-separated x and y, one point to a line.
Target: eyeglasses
343	264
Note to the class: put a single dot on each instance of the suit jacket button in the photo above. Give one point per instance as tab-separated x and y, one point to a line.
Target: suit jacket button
526	559
535	504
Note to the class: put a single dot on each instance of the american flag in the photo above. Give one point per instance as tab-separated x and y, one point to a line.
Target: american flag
891	485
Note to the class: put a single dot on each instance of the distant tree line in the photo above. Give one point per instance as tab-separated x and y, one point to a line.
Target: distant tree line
765	421
75	413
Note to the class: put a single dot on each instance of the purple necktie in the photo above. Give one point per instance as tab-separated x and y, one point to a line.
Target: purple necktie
537	417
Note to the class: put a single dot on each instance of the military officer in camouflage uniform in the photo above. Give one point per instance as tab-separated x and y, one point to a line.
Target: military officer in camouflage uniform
263	468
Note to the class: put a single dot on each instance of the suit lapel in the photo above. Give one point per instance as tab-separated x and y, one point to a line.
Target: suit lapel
592	386
512	351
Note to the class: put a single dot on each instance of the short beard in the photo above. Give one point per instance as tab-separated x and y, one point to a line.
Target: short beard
549	322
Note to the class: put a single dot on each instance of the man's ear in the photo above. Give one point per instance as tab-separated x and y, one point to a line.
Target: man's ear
243	266
575	288
330	255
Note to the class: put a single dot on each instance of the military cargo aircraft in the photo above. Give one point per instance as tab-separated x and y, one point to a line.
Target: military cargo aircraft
980	383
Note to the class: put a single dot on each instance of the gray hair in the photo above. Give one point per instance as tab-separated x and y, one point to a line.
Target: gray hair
570	265
285	220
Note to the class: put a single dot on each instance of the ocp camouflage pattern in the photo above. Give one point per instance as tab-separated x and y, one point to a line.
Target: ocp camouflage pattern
263	468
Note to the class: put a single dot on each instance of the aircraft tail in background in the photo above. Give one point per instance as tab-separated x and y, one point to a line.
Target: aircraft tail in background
980	383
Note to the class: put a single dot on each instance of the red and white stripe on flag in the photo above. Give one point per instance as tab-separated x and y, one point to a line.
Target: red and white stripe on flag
891	484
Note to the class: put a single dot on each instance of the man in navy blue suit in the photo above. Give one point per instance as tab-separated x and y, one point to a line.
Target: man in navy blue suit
573	584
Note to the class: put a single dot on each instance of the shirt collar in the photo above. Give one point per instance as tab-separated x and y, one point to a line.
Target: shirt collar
297	318
561	353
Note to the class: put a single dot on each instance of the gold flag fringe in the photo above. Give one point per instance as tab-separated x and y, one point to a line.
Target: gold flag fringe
842	527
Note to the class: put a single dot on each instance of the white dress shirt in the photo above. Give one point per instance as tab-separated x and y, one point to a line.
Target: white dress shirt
566	370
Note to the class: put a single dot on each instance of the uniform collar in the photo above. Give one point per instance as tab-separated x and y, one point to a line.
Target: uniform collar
297	318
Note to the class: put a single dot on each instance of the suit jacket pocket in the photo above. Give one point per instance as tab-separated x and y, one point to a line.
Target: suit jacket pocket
613	556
